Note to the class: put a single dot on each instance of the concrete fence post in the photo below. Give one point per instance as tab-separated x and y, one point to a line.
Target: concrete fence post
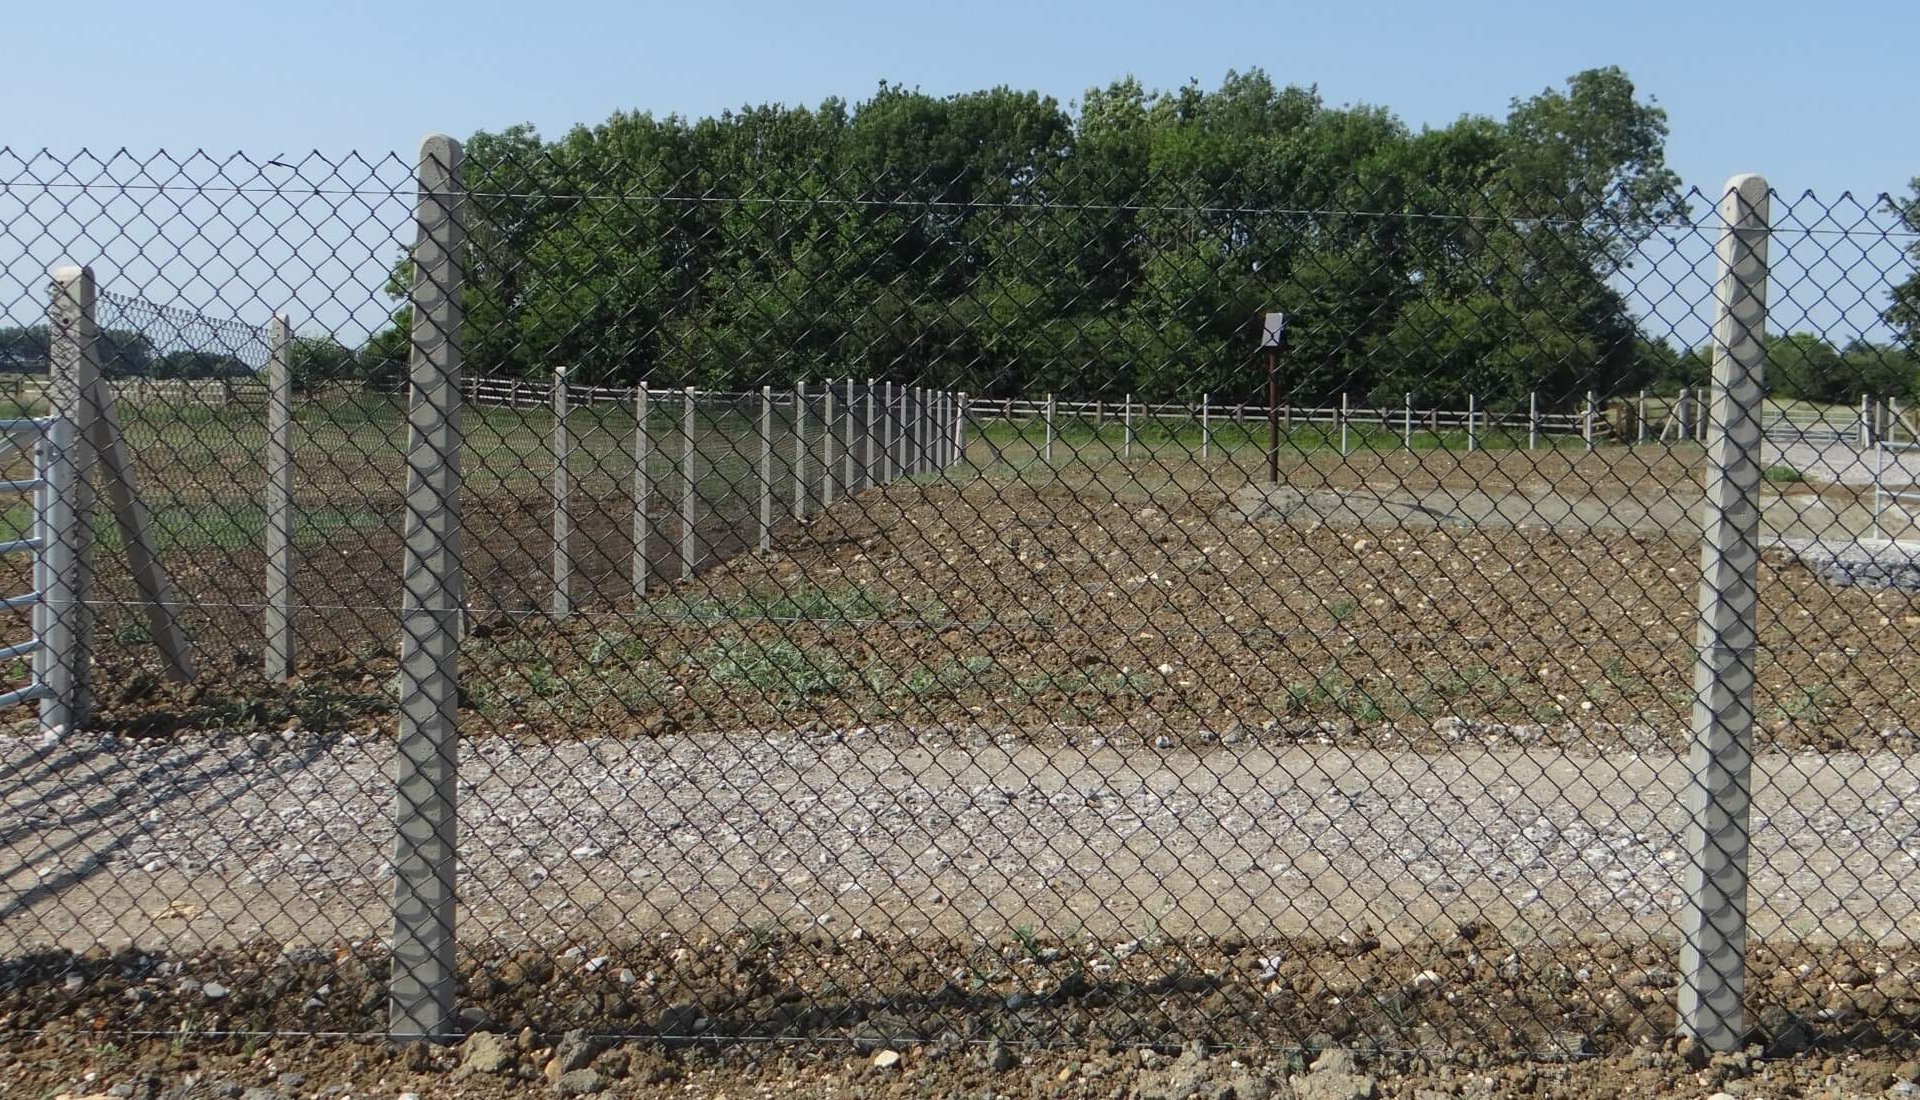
1533	419
1346	429
562	498
960	409
1049	429
422	981
800	450
889	434
1714	920
942	426
1473	423
1206	429
1406	428
689	454
277	535
73	373
871	438
1640	418
642	494
849	443
1587	424
766	467
1866	426
827	459
57	666
909	431
1126	414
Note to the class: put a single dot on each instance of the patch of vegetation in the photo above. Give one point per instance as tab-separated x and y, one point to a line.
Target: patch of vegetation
804	604
775	666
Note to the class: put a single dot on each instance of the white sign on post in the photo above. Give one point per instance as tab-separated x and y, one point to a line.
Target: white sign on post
1273	333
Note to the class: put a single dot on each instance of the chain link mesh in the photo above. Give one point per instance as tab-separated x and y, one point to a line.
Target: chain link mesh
880	623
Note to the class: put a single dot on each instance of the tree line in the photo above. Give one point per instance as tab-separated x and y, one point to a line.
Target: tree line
1001	243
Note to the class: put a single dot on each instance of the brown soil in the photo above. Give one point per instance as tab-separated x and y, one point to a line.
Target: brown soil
1087	604
1080	1019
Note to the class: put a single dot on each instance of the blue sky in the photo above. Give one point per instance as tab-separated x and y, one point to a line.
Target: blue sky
1825	101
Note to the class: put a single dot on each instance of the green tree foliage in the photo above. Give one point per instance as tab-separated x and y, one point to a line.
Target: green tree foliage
1903	312
998	242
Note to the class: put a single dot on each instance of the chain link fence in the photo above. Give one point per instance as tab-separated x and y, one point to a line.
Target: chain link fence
871	607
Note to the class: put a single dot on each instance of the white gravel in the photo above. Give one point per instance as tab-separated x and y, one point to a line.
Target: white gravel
217	839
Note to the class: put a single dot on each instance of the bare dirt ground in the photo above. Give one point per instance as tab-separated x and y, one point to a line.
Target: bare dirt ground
1131	601
1465	1014
1035	703
288	1069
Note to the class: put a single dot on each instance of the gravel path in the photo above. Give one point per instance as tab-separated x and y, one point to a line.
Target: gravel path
213	841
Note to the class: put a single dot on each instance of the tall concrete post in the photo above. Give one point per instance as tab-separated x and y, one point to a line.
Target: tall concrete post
421	988
1714	921
278	533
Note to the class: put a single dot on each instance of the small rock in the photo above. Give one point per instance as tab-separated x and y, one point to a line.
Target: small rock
574	1051
887	1059
999	1058
1787	1034
1335	1060
485	1052
679	1021
579	1082
259	1093
1334	1086
213	991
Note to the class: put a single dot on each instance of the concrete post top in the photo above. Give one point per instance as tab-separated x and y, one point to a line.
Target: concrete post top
1749	190
443	148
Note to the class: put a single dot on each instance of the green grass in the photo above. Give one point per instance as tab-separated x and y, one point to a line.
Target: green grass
522	679
776	667
804	604
1784	475
226	526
